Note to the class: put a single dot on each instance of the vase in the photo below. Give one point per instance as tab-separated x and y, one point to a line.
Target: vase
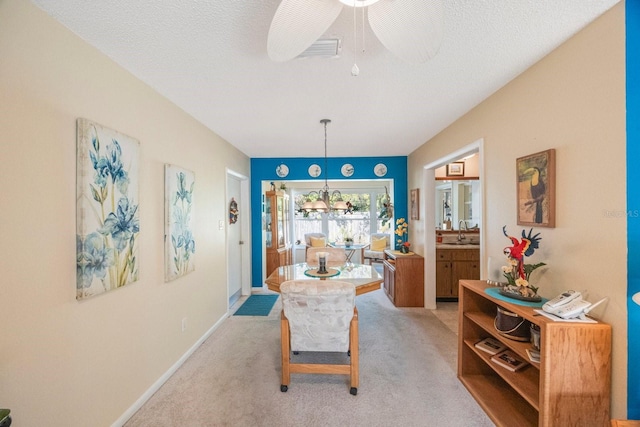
404	249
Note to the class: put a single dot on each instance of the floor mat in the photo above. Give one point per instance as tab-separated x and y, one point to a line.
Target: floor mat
257	305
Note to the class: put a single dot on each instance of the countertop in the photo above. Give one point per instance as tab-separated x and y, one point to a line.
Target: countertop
456	246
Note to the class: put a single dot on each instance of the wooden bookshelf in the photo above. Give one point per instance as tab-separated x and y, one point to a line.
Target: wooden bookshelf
570	386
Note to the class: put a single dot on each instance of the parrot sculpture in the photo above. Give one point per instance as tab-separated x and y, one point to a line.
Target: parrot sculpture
520	248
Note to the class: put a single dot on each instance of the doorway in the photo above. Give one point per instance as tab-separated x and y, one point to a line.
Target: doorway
430	186
238	278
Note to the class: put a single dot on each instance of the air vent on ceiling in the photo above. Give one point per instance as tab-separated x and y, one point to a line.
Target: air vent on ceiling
323	47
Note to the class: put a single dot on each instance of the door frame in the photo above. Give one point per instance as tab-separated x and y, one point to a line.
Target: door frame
429	184
244	220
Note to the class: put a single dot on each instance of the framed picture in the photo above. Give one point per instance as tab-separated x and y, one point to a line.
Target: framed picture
415	203
455	169
180	245
536	180
107	216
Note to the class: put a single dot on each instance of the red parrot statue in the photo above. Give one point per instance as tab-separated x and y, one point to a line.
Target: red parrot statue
521	248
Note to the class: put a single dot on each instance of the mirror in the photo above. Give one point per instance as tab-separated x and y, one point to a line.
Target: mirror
457	200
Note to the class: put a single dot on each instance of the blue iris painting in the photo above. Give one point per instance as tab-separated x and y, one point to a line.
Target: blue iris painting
108	221
180	245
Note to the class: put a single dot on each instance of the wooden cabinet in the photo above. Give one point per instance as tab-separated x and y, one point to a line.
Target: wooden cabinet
404	279
453	265
278	246
571	386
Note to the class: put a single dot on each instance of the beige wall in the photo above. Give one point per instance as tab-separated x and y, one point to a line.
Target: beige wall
64	362
471	168
574	101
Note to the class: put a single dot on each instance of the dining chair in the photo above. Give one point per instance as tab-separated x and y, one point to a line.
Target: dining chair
314	240
318	316
336	257
375	251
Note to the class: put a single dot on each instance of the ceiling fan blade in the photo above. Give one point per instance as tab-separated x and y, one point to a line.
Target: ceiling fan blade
297	24
411	29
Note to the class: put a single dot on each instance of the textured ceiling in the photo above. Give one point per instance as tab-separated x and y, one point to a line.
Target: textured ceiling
210	59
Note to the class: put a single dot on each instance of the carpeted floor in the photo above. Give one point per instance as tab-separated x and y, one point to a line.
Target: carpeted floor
407	378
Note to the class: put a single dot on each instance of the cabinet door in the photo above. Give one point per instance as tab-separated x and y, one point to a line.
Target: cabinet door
280	222
463	270
285	220
268	208
443	279
282	258
390	281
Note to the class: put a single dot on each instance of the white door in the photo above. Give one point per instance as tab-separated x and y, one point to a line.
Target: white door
235	240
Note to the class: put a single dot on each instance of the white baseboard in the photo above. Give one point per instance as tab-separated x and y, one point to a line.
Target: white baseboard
172	370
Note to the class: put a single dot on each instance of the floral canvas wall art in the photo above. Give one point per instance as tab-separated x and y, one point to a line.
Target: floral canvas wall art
180	245
107	217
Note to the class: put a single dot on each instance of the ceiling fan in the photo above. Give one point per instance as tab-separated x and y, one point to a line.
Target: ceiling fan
411	29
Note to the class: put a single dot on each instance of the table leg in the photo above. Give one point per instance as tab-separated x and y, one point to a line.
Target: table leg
349	253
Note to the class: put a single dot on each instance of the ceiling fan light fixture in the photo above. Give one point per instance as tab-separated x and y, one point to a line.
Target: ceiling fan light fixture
359	3
411	29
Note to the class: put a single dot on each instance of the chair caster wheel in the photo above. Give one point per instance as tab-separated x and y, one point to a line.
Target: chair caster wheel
283	388
349	353
296	353
354	390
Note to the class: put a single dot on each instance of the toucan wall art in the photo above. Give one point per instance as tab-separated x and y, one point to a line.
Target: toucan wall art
537	189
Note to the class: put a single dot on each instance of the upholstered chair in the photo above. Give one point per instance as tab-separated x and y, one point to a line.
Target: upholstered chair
375	251
315	240
318	316
336	257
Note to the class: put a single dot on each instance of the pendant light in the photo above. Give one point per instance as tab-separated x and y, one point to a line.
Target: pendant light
323	203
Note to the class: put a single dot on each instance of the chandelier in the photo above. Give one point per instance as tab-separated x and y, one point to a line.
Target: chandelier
323	202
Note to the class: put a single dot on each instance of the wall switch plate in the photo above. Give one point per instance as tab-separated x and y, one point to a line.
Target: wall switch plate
184	324
220	225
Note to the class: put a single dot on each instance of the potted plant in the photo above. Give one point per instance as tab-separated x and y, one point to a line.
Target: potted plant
348	241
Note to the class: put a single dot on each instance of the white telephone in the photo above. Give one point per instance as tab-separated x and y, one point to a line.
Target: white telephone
569	305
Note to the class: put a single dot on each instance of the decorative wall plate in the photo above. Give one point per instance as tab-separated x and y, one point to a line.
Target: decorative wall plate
282	170
380	169
315	171
347	169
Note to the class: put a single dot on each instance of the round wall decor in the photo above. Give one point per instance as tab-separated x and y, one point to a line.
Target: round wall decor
282	170
380	169
347	170
315	171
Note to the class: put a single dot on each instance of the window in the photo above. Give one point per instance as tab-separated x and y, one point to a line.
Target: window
338	225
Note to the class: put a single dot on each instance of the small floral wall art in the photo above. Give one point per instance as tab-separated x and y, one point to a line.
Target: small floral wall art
107	217
179	245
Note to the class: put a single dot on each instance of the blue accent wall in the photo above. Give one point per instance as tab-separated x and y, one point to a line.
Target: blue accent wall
632	17
264	169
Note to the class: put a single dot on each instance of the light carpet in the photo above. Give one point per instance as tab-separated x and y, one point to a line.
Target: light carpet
407	378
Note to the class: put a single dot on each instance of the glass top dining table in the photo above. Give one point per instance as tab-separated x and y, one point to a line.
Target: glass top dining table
365	277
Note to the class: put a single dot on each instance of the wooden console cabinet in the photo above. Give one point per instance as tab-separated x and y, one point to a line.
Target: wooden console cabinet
278	247
571	386
453	265
404	279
